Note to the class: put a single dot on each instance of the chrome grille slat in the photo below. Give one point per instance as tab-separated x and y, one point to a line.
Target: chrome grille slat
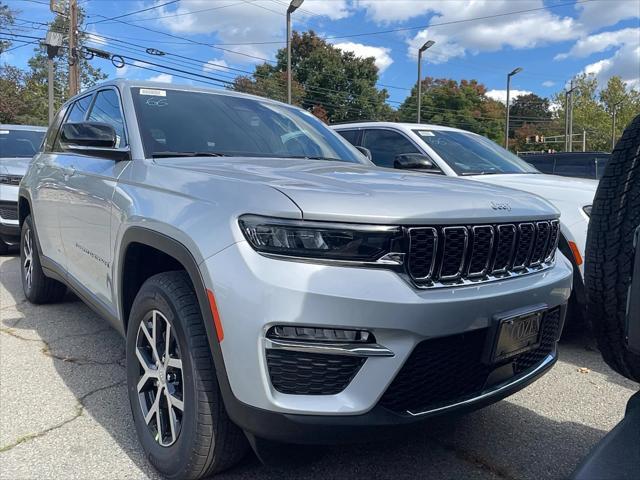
481	250
465	255
423	245
540	244
454	248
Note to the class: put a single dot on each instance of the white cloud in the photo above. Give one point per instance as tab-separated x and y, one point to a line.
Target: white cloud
216	65
501	95
381	54
596	15
625	63
396	11
548	83
523	31
601	42
163	77
241	23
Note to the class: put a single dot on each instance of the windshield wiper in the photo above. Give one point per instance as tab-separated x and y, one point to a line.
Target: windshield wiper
187	154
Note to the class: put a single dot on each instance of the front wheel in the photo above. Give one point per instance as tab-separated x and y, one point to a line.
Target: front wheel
176	403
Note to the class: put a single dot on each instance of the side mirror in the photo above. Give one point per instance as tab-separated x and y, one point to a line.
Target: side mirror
365	151
92	138
414	161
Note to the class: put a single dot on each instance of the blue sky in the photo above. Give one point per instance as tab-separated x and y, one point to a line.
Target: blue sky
553	41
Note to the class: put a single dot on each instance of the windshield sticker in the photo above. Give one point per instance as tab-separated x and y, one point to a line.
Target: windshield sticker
426	133
153	92
157	102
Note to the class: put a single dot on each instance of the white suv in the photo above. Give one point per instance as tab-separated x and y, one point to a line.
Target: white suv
457	153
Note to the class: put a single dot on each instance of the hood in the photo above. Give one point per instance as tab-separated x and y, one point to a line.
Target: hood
14	166
340	191
551	187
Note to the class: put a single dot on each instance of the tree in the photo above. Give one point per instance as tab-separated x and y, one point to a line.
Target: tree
7	19
592	109
461	104
343	84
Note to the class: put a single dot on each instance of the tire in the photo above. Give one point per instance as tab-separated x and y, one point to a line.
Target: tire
615	217
203	440
37	287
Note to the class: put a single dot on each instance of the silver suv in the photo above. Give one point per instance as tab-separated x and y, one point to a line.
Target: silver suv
273	285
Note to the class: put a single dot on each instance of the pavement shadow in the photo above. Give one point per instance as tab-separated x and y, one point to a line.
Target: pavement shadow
502	441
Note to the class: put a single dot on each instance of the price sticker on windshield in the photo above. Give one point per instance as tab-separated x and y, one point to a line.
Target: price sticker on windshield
153	92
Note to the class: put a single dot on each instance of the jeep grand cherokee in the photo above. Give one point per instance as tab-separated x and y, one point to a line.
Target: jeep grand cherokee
272	284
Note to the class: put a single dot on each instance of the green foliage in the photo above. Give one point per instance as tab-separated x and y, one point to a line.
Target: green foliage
24	94
7	17
341	83
461	104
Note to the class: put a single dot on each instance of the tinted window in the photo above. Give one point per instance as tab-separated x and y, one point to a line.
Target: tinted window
19	143
350	136
470	154
385	145
79	109
176	121
581	166
542	163
106	109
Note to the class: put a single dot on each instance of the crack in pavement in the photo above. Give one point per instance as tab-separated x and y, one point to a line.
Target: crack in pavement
478	461
79	410
46	349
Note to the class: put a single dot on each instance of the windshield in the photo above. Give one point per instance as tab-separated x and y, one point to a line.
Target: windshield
19	143
196	123
469	154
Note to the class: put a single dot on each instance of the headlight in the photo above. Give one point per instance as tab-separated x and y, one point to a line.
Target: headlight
587	210
10	179
324	241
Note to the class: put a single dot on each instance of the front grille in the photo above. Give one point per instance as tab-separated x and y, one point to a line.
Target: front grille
455	254
9	210
299	373
446	370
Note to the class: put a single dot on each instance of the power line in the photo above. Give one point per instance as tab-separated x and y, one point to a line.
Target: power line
134	12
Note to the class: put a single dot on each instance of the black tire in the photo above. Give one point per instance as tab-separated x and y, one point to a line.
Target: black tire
204	441
609	254
37	287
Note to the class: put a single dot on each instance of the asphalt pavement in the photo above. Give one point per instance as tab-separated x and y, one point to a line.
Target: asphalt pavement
64	412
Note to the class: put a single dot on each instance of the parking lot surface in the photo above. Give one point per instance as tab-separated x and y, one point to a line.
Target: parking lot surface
64	412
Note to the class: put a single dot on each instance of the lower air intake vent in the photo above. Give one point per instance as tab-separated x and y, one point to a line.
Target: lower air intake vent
298	373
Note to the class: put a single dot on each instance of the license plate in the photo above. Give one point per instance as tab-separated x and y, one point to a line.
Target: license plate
516	335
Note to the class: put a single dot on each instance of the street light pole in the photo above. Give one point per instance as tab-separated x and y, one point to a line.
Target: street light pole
506	127
427	44
293	6
613	125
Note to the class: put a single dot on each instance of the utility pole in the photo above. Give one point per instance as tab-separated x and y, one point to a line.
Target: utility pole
571	116
613	125
293	6
584	140
506	126
427	44
74	70
53	42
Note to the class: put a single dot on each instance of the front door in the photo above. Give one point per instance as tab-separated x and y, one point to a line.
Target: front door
86	218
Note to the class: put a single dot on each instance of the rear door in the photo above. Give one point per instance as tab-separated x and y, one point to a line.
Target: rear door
86	217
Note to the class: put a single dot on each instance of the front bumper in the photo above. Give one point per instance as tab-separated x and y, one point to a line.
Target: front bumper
254	293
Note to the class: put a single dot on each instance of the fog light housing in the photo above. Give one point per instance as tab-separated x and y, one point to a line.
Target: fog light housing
314	334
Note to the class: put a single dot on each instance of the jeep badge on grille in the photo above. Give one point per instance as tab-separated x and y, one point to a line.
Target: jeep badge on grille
500	206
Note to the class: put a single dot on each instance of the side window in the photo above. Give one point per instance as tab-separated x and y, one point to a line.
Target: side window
385	145
106	109
52	133
79	109
350	136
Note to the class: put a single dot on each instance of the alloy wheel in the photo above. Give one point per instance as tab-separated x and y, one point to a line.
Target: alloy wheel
160	386
27	265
